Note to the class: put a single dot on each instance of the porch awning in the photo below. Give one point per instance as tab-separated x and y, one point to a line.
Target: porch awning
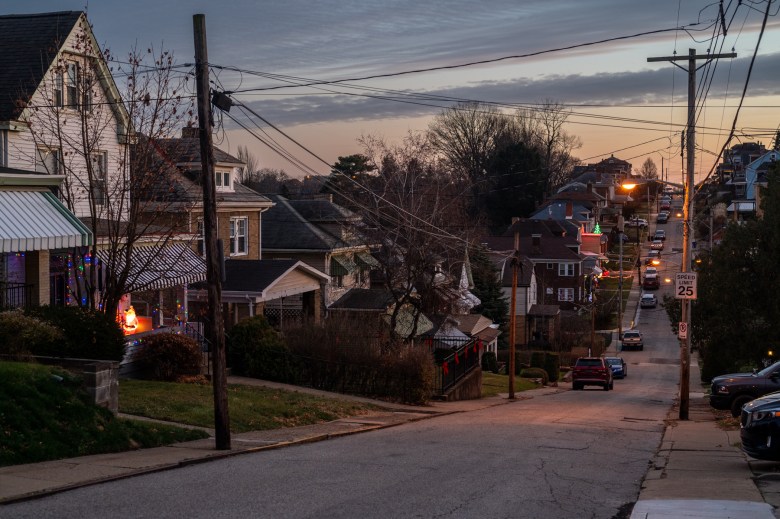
155	267
341	266
37	220
366	260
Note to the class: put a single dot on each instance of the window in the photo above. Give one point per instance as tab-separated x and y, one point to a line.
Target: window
59	86
99	184
49	161
550	266
238	228
566	269
222	181
72	71
199	238
4	148
565	294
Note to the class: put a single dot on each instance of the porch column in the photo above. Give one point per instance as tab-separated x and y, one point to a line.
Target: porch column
36	266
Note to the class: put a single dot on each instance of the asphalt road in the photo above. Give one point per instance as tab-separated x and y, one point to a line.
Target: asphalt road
567	454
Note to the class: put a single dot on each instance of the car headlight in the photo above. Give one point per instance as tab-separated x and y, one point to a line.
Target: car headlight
757	416
722	390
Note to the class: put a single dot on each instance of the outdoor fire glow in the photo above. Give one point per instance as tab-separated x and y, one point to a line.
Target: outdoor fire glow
131	321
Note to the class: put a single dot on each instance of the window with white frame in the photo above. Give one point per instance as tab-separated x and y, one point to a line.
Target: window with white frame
199	238
565	294
223	181
238	232
566	269
72	87
99	185
49	160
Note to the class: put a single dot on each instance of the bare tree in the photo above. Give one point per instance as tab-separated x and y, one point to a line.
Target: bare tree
101	138
556	143
417	213
247	174
649	170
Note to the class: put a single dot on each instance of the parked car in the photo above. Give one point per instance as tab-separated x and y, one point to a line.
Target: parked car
632	340
760	427
666	205
651	282
734	390
648	301
592	371
660	234
651	270
662	217
618	365
657	245
637	222
653	258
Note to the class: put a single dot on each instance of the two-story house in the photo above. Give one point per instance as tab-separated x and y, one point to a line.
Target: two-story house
323	235
253	285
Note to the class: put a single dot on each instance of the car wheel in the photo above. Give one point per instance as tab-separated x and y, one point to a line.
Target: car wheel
736	405
606	386
612	385
642	348
576	386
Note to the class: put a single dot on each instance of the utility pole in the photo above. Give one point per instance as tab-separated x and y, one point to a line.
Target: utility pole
690	142
215	331
513	310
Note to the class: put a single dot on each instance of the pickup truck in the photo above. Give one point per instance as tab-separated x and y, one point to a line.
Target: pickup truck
732	391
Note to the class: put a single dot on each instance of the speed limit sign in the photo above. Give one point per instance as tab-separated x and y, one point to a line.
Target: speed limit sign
685	285
682	330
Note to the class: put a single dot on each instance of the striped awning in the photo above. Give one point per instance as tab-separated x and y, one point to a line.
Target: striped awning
37	220
341	266
155	267
366	260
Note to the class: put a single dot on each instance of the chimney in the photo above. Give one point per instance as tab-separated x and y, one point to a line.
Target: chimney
569	210
536	244
189	132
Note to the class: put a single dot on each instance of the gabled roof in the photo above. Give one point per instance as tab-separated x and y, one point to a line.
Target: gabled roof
551	248
30	43
186	150
285	226
365	300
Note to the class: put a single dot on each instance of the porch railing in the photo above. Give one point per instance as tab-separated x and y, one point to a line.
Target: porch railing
15	295
454	362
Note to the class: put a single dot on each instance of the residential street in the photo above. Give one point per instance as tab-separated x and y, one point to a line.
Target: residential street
566	454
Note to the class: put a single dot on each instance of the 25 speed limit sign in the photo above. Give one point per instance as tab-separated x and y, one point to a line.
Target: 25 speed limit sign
685	285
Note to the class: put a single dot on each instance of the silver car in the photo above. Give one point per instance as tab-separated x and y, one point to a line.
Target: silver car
632	340
648	301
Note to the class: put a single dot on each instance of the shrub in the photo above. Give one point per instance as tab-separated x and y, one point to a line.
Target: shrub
22	335
88	334
537	359
552	365
413	375
535	373
257	350
489	362
168	356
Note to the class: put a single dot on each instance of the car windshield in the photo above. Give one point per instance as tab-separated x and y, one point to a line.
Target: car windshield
648	297
588	362
631	335
770	369
614	361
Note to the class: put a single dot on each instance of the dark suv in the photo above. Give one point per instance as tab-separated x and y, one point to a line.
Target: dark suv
593	371
760	428
734	390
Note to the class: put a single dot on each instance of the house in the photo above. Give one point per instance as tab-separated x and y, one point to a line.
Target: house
53	77
374	307
755	175
282	290
323	235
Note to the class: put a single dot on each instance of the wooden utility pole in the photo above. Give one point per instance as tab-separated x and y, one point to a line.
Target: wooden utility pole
513	310
690	144
215	331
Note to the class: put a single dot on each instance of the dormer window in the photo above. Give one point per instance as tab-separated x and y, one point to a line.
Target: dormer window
223	181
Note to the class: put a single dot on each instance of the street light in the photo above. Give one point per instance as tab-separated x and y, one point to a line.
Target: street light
628	187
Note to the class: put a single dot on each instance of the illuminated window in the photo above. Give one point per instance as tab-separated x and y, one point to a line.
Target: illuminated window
565	294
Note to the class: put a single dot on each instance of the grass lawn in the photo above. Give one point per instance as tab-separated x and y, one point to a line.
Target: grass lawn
493	384
45	415
250	408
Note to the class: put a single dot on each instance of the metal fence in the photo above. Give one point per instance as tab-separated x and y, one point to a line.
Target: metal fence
454	360
15	295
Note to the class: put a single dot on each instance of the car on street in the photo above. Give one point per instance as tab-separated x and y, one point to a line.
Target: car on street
651	282
637	222
760	427
633	340
666	205
660	234
651	270
657	245
653	257
648	301
662	217
591	371
618	365
732	391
